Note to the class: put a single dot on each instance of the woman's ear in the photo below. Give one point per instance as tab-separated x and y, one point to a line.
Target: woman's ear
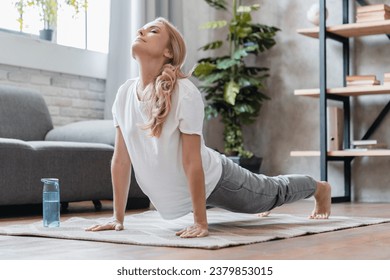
168	54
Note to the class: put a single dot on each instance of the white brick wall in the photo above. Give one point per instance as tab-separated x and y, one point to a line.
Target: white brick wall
70	98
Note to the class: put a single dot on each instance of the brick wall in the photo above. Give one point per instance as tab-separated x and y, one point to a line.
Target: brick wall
70	98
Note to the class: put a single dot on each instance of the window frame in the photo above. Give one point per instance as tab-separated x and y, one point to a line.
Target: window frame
30	52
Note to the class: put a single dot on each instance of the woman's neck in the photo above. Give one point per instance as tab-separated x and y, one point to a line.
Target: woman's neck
148	73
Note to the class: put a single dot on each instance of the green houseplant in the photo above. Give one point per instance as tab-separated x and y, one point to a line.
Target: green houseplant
234	89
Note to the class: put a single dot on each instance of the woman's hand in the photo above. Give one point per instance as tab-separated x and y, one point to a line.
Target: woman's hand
114	225
193	231
121	174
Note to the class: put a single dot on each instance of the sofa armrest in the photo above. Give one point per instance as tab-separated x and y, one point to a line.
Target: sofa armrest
10	143
94	131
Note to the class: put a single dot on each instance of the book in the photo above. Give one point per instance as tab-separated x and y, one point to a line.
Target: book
362	80
373	14
371	147
373	18
364	142
363	83
361	77
371	8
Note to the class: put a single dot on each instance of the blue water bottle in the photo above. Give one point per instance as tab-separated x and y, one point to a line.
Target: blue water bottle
51	202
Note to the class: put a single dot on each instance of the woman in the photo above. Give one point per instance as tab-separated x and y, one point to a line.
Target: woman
158	119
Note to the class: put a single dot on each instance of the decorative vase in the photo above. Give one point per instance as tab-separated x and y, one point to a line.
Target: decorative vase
313	14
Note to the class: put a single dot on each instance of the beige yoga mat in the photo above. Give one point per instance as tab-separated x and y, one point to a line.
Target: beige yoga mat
226	229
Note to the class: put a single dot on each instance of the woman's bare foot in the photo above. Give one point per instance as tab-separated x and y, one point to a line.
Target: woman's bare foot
322	201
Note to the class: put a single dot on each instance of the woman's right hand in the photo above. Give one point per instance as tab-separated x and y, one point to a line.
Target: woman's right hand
121	174
114	225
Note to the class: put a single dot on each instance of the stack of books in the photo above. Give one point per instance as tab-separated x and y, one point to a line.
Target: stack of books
362	80
373	13
386	79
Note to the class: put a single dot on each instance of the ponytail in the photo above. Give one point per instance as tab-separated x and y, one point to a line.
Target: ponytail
160	98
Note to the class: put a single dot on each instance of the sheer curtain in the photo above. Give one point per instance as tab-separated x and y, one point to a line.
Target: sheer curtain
126	18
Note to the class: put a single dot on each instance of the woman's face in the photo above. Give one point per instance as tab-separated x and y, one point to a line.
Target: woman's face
151	42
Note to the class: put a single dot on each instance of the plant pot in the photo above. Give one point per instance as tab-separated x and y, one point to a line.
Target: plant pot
46	34
253	164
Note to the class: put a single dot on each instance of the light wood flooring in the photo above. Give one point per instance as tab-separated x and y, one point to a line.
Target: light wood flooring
371	242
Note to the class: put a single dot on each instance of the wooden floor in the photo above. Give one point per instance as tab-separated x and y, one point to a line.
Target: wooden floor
371	242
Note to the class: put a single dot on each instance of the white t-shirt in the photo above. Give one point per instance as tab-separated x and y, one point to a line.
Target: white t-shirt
157	162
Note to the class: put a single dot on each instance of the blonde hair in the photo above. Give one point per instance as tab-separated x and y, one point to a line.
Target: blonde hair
159	99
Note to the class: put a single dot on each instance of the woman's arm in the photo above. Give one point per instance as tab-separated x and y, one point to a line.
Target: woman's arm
121	176
192	164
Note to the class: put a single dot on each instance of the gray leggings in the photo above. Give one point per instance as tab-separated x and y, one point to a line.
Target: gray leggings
240	190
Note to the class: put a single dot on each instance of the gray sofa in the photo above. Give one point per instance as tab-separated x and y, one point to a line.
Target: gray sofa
78	154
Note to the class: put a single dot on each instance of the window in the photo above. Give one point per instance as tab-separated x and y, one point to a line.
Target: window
87	30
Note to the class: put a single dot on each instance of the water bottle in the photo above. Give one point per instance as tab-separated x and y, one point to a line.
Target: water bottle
51	202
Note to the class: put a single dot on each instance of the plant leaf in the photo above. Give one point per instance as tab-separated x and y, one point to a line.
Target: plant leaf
213	24
210	112
248	9
226	63
214	77
230	92
212	46
243	52
238	54
204	69
244	108
217	4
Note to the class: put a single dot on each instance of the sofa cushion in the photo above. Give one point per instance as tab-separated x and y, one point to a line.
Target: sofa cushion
94	131
23	114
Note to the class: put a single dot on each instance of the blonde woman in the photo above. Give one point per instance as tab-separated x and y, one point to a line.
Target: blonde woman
159	119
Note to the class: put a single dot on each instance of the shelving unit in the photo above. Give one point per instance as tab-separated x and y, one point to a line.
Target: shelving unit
342	33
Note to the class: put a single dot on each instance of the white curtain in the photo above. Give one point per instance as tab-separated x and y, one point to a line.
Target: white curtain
126	17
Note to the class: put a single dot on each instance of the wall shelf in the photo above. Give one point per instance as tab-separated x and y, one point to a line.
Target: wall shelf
346	91
344	153
351	29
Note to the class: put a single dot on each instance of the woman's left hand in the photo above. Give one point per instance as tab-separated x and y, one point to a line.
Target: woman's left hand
193	231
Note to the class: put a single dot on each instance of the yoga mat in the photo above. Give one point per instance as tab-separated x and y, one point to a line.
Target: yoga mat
226	229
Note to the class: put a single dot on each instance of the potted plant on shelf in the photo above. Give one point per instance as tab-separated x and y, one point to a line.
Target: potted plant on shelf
234	89
47	12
